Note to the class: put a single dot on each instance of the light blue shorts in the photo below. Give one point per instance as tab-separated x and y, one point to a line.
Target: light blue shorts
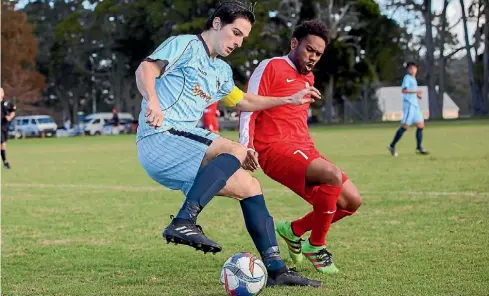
173	158
411	114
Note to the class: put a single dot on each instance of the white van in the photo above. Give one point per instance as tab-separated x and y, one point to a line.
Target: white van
35	125
94	123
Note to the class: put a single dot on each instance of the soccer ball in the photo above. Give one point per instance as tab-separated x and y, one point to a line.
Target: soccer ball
243	275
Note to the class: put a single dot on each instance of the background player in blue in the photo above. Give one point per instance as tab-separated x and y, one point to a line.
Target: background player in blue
178	81
411	112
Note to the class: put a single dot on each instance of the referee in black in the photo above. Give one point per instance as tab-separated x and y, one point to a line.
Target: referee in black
8	113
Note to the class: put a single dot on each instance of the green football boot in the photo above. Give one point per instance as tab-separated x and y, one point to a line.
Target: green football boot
319	257
284	229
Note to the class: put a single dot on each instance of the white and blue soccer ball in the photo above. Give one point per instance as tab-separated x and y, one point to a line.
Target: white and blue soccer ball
243	275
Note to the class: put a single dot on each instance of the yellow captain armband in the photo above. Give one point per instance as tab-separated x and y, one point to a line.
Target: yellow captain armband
233	98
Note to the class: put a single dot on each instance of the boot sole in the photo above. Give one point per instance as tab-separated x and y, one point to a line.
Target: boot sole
313	285
197	246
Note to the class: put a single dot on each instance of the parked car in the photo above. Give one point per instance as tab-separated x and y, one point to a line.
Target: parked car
95	123
34	126
12	133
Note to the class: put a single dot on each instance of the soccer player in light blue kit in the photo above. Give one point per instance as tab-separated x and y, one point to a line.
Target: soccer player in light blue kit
411	112
178	81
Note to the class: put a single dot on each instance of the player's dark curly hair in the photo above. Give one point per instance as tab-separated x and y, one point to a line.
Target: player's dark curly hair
229	11
312	27
409	64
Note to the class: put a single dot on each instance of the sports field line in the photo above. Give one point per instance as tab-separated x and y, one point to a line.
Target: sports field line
266	190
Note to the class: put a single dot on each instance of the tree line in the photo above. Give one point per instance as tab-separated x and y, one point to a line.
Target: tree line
71	55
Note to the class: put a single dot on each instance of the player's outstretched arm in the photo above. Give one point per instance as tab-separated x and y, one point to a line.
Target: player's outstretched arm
251	102
146	75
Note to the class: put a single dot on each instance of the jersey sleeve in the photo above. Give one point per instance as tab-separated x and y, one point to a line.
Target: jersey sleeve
229	93
174	52
259	84
406	83
247	128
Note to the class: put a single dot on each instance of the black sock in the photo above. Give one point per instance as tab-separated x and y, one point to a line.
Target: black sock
4	156
398	136
260	226
208	182
419	137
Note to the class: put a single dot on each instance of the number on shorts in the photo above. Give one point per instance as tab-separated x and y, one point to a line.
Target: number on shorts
301	153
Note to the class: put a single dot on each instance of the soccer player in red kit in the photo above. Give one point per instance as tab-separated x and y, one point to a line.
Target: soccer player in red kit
210	118
287	154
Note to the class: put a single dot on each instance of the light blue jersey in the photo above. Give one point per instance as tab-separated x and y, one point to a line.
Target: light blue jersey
192	81
172	154
410	83
411	112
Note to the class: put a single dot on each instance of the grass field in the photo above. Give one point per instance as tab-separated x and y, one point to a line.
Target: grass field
81	217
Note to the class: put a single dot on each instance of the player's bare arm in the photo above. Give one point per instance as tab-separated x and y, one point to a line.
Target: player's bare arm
418	92
146	74
10	116
411	91
251	102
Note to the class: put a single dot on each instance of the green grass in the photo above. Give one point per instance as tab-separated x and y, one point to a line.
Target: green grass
81	217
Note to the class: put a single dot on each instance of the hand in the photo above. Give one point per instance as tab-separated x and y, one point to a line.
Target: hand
251	161
307	95
419	94
154	115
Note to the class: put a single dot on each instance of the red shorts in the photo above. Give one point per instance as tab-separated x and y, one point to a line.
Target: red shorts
287	164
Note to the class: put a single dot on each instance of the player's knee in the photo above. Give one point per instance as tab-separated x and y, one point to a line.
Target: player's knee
238	151
253	187
249	187
405	126
354	202
332	175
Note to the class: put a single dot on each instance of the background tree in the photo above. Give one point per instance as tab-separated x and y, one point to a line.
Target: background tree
20	79
89	50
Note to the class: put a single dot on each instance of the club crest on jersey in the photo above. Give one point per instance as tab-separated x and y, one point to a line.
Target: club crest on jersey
202	71
197	91
218	84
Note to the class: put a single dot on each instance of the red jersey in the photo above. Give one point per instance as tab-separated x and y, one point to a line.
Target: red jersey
211	110
276	77
210	118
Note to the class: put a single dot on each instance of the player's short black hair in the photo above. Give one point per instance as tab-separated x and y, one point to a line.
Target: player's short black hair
229	11
409	64
9	106
312	27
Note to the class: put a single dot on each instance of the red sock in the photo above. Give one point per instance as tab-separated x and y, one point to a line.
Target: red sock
324	204
303	225
340	214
